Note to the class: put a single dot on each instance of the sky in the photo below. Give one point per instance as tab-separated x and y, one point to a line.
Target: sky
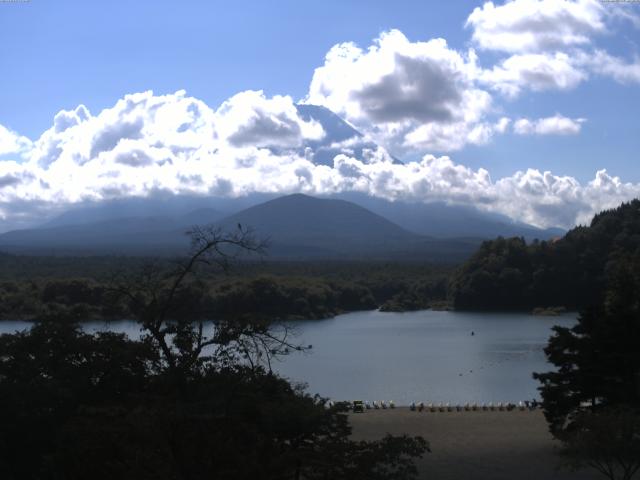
524	107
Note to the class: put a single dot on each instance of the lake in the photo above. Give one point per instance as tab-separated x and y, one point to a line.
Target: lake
424	356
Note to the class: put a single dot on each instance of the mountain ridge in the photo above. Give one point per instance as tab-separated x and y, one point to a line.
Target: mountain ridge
298	225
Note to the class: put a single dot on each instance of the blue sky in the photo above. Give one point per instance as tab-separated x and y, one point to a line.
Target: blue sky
574	89
60	54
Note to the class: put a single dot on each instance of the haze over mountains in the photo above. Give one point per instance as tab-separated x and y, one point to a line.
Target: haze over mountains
298	227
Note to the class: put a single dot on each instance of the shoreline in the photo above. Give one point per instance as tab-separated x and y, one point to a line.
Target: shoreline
478	445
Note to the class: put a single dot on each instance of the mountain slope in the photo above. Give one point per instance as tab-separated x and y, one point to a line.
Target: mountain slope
297	226
136	235
299	223
340	137
303	227
441	220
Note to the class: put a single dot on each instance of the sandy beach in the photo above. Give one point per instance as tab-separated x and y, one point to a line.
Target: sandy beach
474	445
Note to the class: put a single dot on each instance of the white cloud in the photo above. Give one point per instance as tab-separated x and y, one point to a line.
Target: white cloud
602	63
405	95
533	71
544	199
556	125
174	144
502	125
536	25
551	43
249	118
12	143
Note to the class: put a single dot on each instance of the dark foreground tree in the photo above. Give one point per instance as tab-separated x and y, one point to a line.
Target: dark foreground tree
194	399
607	440
597	381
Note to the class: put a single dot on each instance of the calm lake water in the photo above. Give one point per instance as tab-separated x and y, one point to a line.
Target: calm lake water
415	356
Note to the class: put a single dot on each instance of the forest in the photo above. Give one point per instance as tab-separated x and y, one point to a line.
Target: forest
570	272
504	274
82	288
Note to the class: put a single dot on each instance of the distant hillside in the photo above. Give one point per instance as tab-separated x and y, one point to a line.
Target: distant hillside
441	220
570	272
135	236
298	227
173	207
299	223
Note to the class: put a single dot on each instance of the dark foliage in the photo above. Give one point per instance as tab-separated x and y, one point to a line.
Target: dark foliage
598	359
47	375
194	399
592	400
571	271
277	291
607	440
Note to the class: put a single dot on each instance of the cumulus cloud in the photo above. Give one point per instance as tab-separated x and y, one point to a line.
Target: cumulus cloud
536	25
182	146
602	63
249	118
544	199
550	44
12	143
406	95
556	125
533	71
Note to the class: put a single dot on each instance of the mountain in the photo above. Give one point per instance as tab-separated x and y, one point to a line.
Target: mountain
99	230
135	235
172	206
340	137
431	219
297	226
301	225
441	220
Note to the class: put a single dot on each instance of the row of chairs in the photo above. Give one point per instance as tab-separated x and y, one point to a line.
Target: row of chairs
377	405
473	407
360	406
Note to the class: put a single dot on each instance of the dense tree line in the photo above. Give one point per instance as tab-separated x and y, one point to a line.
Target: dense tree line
290	292
571	271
